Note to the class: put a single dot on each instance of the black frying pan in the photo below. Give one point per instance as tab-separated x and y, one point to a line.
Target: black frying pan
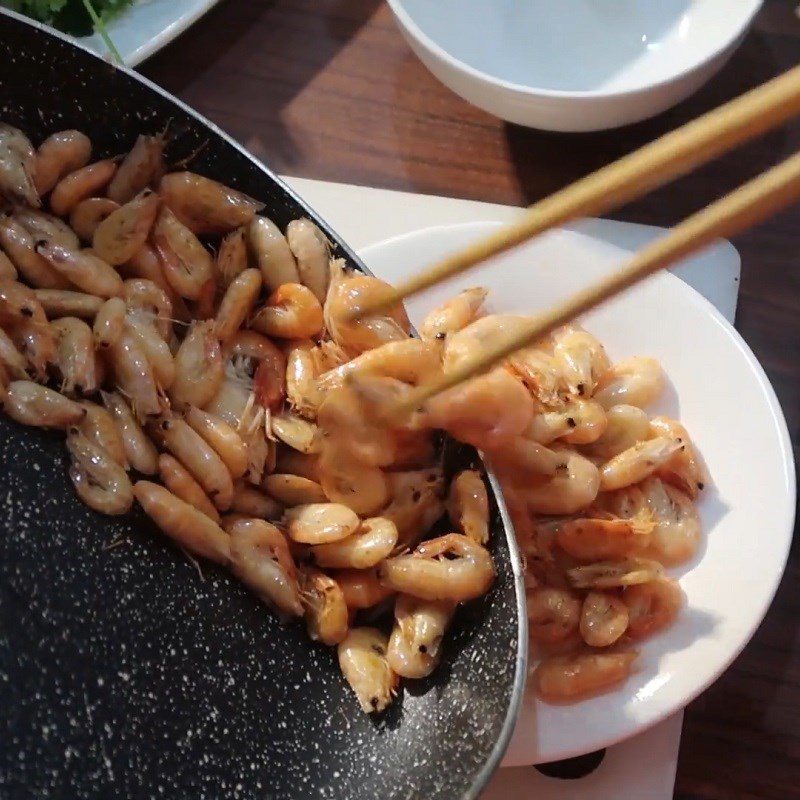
123	673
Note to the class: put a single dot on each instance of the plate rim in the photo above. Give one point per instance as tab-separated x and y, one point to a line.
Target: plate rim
777	419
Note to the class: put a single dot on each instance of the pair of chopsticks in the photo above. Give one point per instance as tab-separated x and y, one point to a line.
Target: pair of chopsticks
631	177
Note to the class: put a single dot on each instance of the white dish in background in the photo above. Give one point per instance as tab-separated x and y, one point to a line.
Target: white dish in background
148	26
574	66
719	391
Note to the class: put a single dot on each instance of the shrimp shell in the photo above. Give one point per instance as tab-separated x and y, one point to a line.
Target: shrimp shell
120	235
29	403
99	480
87	215
312	252
80	184
198	457
83	268
272	254
60	153
142	166
140	452
362	659
181	483
204	205
189	527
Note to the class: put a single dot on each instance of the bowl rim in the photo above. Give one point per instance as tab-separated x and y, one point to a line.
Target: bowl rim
495	755
408	24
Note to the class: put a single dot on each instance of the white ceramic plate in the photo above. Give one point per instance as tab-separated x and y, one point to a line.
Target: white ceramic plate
148	26
720	392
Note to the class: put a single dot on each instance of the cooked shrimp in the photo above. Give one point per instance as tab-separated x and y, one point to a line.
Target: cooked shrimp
522	462
296	432
204	205
326	610
685	469
181	483
140	452
109	322
232	256
362	588
652	606
415	502
75	357
83	268
345	479
294	463
237	304
189	527
553	615
415	643
591	539
604	618
140	168
64	303
156	350
291	312
677	530
80	184
60	153
249	501
135	377
99	480
468	505
539	372
272	253
198	457
634	381
568	678
362	659
147	298
7	270
454	314
581	360
302	390
117	238
98	427
186	263
312	253
261	559
269	377
294	490
17	167
11	358
479	336
637	463
320	523
626	426
31	404
20	245
42	225
347	292
487	411
451	567
87	215
573	487
369	545
575	422
227	443
615	574
199	369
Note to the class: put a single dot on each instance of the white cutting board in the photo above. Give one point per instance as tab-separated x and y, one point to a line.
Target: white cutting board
642	768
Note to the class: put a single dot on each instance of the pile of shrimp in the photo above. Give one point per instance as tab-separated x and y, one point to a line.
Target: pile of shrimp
200	362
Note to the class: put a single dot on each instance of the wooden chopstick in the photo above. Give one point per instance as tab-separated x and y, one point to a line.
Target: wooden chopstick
743	208
632	176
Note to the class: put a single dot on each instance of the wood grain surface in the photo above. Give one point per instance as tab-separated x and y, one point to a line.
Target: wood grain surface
328	89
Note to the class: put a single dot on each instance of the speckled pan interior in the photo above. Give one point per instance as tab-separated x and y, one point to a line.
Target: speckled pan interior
124	672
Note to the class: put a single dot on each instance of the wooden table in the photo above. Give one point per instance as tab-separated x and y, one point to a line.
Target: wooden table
328	89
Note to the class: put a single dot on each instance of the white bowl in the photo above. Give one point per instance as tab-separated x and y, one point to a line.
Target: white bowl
574	65
719	391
